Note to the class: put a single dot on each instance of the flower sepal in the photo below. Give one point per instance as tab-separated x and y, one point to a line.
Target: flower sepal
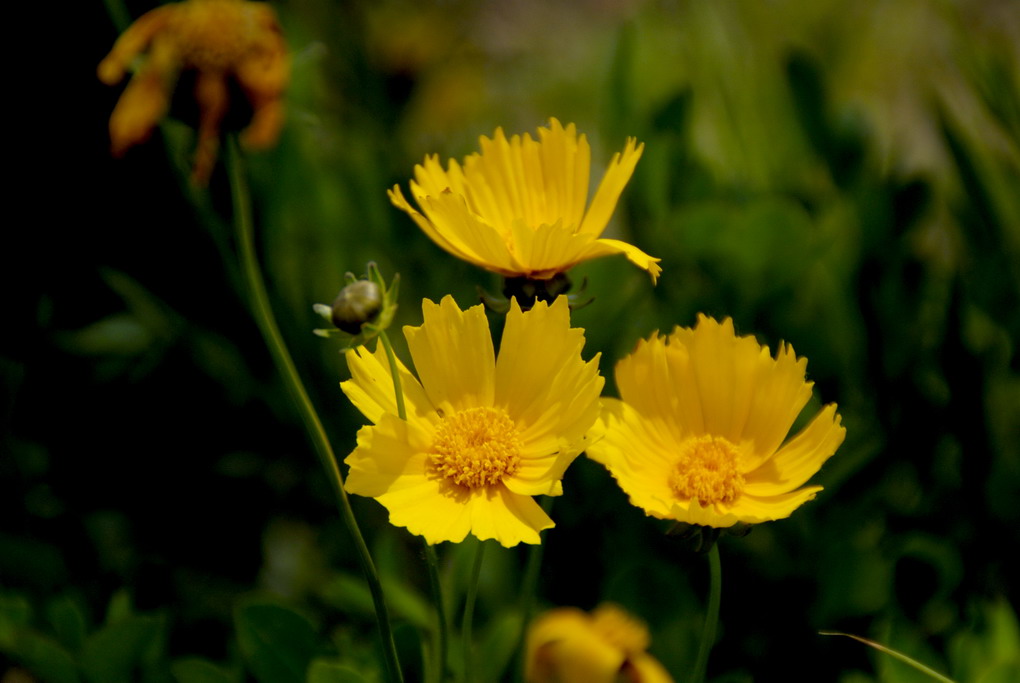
702	538
530	291
362	310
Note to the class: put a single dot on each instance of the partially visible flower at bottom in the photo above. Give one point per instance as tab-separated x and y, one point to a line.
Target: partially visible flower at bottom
223	42
567	645
698	435
483	435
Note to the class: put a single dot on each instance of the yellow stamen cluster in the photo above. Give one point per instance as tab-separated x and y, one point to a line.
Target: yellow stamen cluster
475	447
707	471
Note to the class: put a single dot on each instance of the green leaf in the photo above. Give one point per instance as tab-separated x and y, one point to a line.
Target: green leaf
196	670
326	671
277	643
116	652
499	644
67	621
39	654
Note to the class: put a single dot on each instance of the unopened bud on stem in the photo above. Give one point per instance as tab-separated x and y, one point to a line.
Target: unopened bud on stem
356	304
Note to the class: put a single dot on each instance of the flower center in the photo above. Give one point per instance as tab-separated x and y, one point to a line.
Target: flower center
475	447
213	35
707	471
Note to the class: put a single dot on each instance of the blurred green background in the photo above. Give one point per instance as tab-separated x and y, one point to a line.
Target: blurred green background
844	177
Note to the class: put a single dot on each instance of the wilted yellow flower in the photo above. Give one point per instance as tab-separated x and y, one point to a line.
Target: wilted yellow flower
222	42
519	208
698	435
566	645
483	434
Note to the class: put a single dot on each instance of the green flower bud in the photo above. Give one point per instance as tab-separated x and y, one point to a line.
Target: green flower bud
356	304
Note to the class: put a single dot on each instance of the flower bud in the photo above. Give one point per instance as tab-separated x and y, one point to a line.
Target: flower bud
356	304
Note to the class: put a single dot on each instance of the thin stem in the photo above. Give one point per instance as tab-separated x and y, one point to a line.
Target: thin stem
431	560
469	613
529	587
285	366
711	615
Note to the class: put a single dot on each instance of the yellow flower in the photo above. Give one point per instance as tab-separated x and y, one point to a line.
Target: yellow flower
222	42
483	434
566	645
698	435
519	207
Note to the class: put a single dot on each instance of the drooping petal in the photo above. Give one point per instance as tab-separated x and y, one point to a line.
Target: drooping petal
608	247
453	355
370	387
621	167
799	459
140	107
133	41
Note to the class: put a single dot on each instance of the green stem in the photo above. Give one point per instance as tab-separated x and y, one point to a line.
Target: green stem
469	613
285	366
529	587
431	560
711	615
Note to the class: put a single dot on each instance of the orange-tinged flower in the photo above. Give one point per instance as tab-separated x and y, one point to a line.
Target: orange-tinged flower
520	207
483	434
566	645
698	433
222	42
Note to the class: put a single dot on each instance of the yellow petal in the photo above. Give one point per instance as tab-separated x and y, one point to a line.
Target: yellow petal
621	167
565	165
389	456
639	453
133	41
692	512
643	668
798	460
451	225
397	198
639	258
656	380
752	509
453	355
562	647
542	382
746	396
370	388
509	518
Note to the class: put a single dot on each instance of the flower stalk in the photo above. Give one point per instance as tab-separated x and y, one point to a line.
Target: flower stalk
711	615
469	613
431	559
266	322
